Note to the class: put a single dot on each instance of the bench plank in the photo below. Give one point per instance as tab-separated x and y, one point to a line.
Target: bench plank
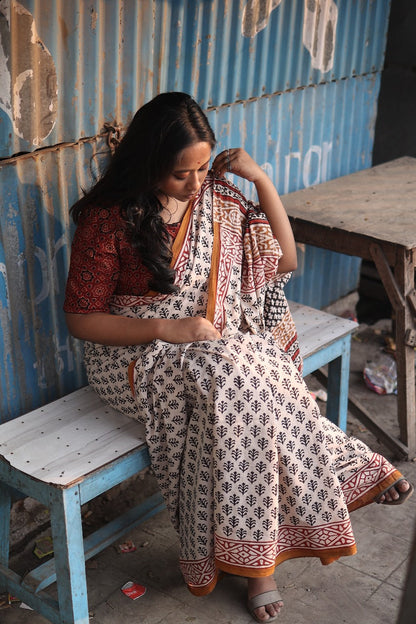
317	329
69	438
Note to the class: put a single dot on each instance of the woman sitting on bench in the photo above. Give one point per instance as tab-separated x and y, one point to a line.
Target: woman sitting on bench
171	273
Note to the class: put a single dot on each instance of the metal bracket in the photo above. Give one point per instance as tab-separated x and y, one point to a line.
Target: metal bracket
410	338
411	298
113	135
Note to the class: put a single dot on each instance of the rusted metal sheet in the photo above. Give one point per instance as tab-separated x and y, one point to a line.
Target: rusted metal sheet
305	136
66	68
295	82
38	360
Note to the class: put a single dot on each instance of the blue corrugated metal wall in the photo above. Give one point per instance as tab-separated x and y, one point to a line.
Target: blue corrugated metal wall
297	157
79	64
298	92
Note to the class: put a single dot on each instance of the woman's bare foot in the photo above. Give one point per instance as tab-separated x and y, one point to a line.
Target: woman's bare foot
258	586
394	492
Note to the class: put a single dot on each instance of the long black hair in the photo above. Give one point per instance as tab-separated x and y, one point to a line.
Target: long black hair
159	131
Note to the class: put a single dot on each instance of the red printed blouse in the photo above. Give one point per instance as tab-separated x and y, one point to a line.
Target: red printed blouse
104	262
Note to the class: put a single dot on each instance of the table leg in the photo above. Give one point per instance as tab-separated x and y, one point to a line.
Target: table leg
5	506
400	289
405	355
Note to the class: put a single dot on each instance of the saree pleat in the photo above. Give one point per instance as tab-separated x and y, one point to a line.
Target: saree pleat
251	473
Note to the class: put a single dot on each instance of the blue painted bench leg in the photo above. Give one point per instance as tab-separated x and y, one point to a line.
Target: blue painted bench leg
5	505
67	536
338	380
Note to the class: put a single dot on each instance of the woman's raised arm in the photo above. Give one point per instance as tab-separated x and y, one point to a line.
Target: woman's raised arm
237	161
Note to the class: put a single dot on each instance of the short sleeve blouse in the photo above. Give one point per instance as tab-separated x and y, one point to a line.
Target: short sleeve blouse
104	262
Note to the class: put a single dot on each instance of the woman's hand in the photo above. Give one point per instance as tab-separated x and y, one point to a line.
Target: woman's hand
189	329
237	161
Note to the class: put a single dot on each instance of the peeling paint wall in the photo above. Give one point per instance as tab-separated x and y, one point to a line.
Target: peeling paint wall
28	91
319	27
293	81
319	32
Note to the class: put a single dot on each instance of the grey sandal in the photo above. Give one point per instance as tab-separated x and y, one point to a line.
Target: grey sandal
261	600
403	496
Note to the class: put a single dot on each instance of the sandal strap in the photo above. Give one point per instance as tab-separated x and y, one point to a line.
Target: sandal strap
261	600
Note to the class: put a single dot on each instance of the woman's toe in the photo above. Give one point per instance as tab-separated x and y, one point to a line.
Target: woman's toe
399	488
268	611
403	485
392	494
276	607
262	614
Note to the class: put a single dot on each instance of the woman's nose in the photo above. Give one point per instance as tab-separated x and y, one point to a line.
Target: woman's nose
193	181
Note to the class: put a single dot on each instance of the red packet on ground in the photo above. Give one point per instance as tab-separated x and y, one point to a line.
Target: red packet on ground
127	547
133	590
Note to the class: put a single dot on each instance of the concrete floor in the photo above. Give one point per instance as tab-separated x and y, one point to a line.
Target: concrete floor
363	589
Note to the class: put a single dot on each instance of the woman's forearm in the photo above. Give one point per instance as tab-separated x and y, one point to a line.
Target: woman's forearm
114	330
109	329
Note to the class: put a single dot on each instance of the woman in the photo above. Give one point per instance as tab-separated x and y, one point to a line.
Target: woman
171	275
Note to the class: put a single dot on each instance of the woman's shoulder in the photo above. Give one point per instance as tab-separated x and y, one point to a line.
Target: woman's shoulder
107	218
100	213
101	223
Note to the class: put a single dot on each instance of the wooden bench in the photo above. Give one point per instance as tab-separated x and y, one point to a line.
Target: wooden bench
326	339
70	451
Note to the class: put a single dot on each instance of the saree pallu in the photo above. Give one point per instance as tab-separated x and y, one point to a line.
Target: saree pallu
250	471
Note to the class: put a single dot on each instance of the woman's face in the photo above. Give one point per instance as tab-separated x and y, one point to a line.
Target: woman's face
188	173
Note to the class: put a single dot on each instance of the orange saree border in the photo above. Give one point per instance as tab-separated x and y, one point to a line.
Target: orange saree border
327	556
130	373
213	276
181	235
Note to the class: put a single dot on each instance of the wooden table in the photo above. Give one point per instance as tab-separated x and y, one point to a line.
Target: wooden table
372	214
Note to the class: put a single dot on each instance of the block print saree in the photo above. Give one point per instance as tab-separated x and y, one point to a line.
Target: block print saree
251	473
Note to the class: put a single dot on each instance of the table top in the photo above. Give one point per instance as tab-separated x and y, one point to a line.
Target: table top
373	205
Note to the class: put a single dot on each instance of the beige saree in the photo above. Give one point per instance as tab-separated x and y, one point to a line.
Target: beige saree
251	473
